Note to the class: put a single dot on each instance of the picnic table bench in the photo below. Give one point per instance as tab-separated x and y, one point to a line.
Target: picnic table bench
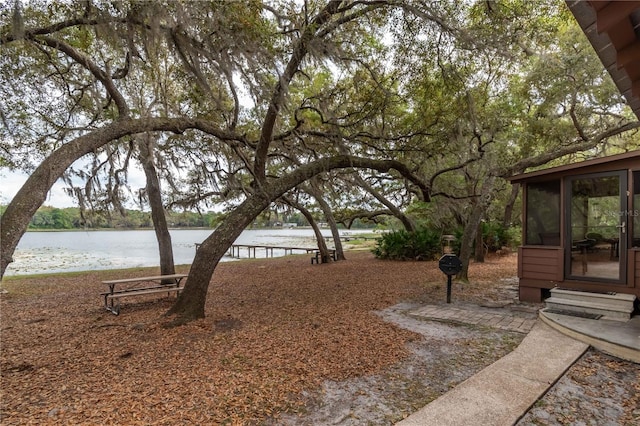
139	286
316	257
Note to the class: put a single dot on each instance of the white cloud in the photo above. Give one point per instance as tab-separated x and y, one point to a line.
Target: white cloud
11	182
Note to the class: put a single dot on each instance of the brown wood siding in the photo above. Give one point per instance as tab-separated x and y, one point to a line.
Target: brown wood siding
636	275
540	263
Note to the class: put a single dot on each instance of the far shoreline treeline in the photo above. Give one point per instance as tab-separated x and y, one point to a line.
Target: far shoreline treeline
71	218
49	218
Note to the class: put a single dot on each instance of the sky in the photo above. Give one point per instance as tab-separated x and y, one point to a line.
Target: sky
12	181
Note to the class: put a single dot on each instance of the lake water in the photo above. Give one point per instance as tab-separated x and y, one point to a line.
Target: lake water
46	252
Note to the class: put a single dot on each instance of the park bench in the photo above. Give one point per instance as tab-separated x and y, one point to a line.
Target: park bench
139	286
316	257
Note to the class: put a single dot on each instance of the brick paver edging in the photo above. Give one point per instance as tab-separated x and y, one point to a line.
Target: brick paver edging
500	318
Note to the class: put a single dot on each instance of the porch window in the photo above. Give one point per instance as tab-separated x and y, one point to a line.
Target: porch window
543	213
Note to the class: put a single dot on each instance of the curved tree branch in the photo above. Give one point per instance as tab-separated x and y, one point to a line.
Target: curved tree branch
91	66
34	192
569	149
277	98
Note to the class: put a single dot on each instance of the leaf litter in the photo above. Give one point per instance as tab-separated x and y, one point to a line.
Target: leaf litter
283	342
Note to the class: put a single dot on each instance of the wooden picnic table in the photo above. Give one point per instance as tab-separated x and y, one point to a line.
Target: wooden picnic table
316	257
138	286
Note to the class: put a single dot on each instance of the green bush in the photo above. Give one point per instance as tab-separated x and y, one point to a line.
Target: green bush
423	244
494	236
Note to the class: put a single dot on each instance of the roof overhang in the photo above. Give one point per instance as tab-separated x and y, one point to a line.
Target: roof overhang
627	160
613	28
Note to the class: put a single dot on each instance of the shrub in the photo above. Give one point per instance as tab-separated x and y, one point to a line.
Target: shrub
494	237
424	244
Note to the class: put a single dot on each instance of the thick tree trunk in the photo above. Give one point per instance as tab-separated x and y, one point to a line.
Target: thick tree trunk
191	302
508	210
468	235
475	217
322	245
331	220
154	195
333	225
479	257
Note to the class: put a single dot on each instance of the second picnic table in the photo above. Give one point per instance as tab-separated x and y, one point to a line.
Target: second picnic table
138	286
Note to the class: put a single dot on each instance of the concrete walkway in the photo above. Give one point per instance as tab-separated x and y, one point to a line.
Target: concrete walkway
504	391
618	338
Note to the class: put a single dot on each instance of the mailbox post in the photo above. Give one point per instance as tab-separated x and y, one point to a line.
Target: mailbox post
450	264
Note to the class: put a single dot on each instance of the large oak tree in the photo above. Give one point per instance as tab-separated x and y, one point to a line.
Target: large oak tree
187	64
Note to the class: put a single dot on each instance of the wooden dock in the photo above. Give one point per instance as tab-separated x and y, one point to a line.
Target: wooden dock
252	249
353	237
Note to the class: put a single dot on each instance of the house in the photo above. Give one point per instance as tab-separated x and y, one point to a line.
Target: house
581	227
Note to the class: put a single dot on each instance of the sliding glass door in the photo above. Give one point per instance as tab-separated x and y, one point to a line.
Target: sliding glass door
597	227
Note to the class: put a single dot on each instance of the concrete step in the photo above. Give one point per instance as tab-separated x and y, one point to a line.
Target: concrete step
590	307
620	301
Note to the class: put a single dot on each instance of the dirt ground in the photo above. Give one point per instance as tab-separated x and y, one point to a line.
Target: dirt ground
443	356
283	342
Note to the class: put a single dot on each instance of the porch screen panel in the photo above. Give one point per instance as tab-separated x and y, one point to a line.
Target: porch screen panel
635	213
543	213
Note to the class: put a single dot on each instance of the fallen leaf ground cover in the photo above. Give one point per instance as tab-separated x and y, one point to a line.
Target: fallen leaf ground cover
597	390
274	328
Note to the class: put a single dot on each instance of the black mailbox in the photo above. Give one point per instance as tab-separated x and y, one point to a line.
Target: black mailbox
450	264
